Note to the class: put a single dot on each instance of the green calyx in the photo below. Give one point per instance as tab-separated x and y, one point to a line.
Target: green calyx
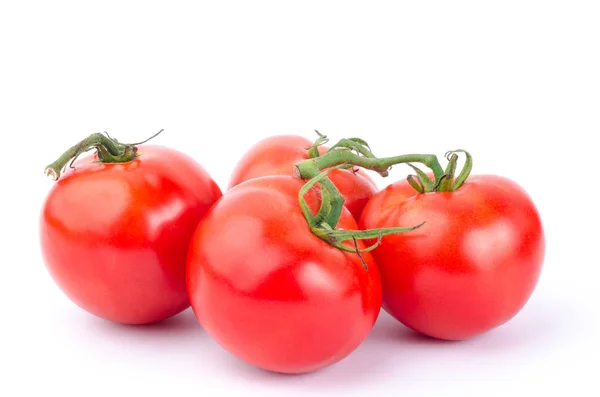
313	151
324	223
448	181
109	150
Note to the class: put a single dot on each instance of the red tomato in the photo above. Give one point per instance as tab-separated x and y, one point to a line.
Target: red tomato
272	293
277	155
470	268
114	236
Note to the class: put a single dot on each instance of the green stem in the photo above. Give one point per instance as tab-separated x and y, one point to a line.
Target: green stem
337	203
448	183
358	145
309	168
332	202
416	183
425	183
466	170
323	225
325	210
339	236
355	152
313	151
108	149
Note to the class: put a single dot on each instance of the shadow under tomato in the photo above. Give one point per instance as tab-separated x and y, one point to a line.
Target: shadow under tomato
358	368
537	322
362	366
178	329
389	330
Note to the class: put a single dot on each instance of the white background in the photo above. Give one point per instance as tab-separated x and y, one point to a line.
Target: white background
515	82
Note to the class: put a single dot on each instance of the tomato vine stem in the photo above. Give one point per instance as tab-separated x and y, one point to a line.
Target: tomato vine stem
309	168
109	150
355	152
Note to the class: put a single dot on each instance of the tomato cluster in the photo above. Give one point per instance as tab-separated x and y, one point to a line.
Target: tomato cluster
288	269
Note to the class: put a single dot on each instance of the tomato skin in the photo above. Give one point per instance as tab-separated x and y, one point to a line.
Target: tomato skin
271	292
470	268
277	155
384	201
114	237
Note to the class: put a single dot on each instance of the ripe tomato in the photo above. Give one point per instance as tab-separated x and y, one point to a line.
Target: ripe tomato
278	154
272	293
470	268
114	237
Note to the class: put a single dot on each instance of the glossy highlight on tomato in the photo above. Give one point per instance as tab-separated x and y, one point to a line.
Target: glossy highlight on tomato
272	293
277	155
470	268
114	237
